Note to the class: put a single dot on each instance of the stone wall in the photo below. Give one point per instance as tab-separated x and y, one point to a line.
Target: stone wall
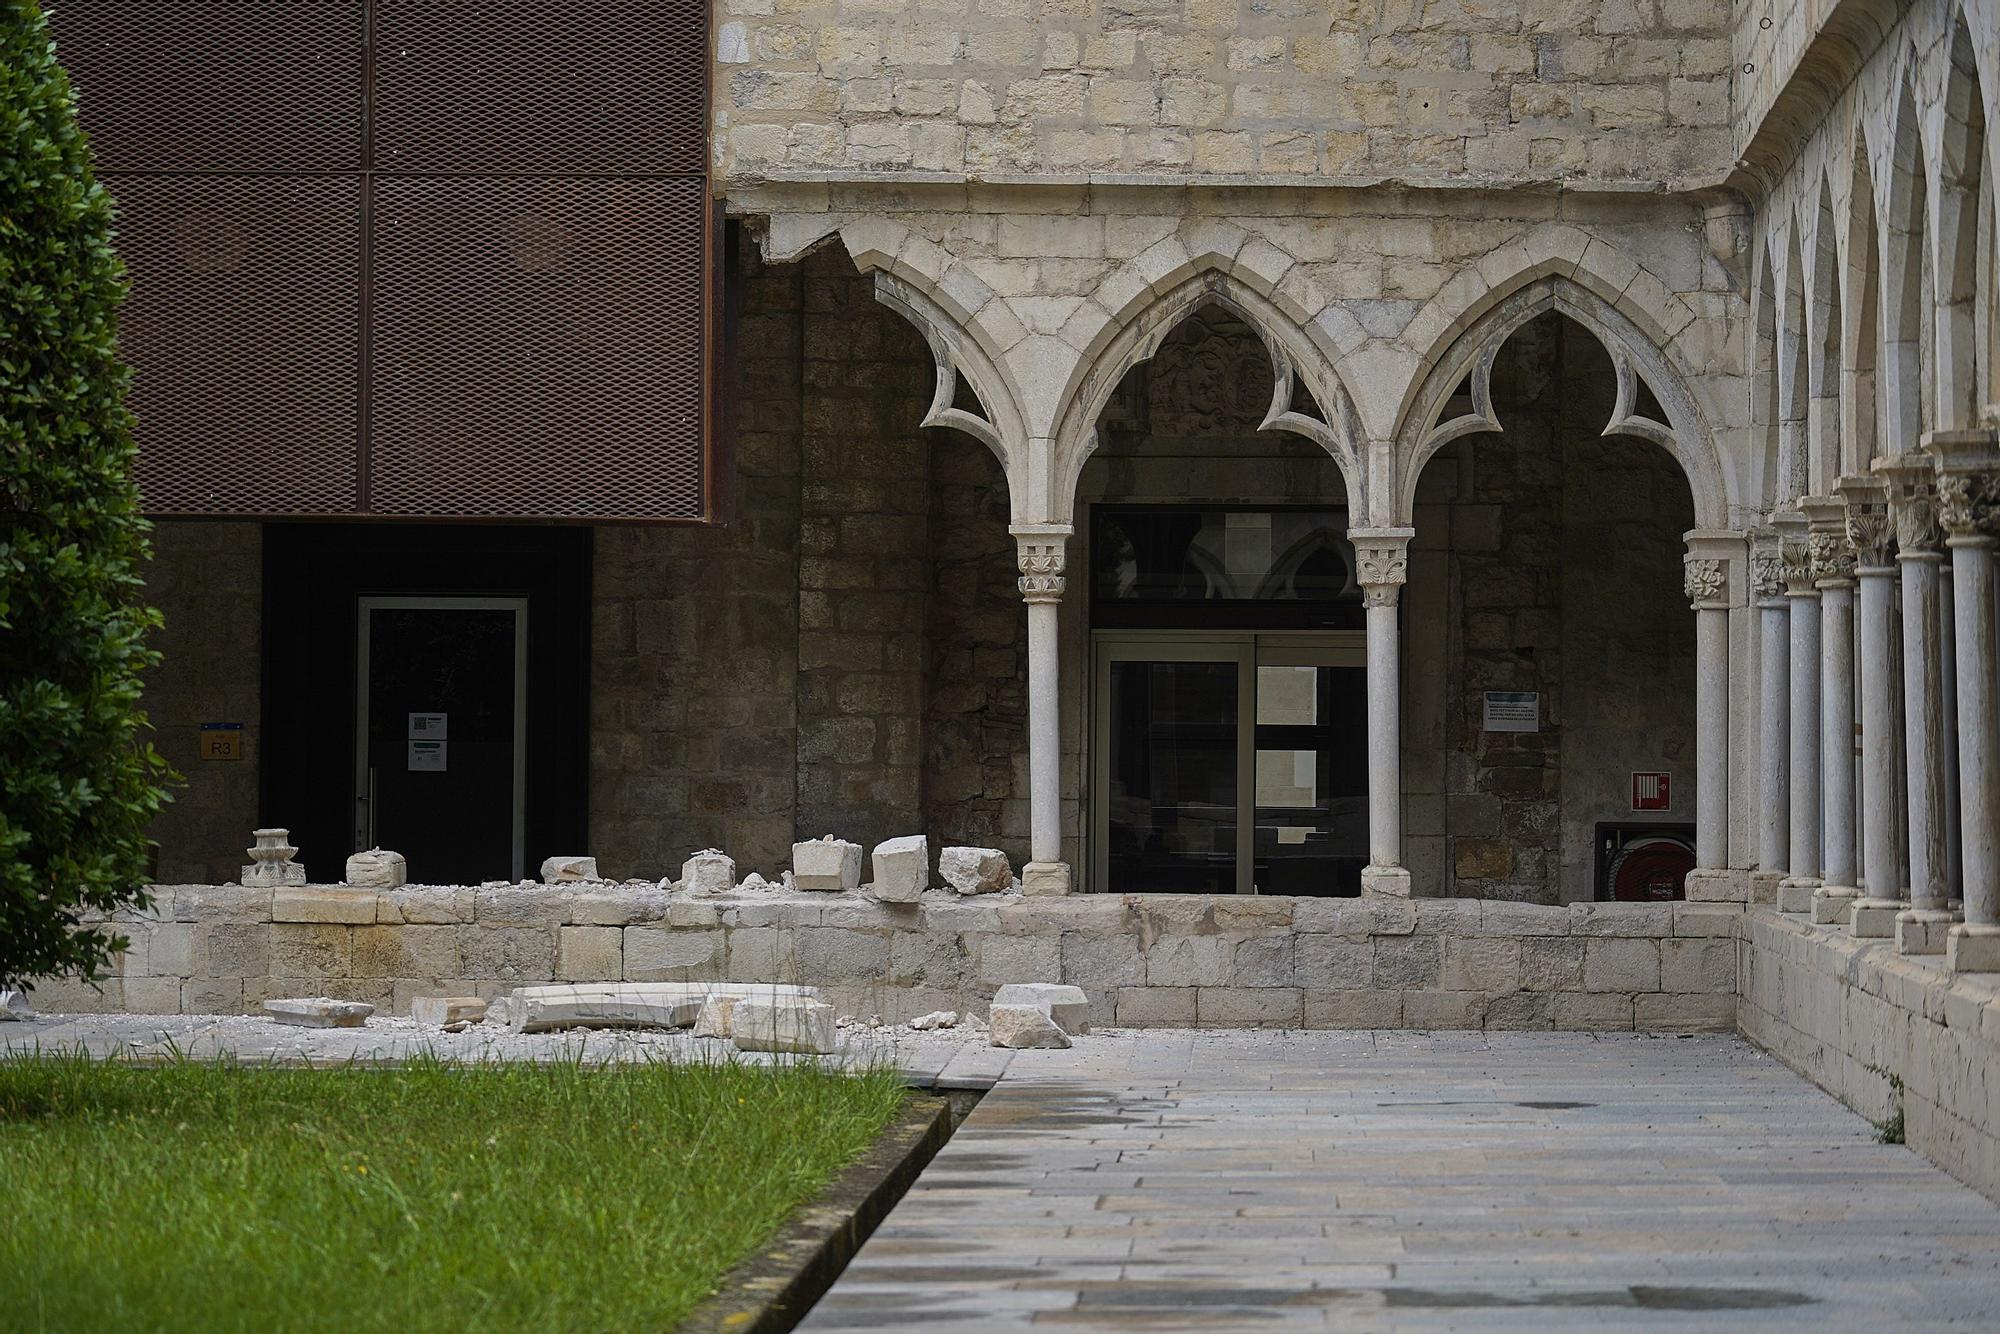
1886	1033
207	579
1575	90
1153	960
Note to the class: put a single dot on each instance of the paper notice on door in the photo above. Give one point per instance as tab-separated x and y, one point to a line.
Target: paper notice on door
427	726
427	757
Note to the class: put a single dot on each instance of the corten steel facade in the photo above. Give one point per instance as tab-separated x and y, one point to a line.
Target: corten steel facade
408	260
1606	346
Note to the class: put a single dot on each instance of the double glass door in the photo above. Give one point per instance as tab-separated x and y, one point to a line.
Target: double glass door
1230	764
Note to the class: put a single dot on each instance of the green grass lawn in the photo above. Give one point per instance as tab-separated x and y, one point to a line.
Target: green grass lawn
203	1197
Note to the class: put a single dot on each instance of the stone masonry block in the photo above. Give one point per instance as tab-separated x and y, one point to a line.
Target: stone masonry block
1264	961
405	951
1002	959
1669	1013
1427	1009
1622	919
1621	965
1189	961
1363	1009
232	949
1578	1011
1553	963
1249	1007
661	954
1157	1007
1407	962
590	954
1334	963
830	954
1699	965
311	950
351	906
1096	962
1481	964
507	953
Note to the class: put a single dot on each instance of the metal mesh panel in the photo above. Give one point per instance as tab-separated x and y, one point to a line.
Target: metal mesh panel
538	347
559	85
232	86
243	332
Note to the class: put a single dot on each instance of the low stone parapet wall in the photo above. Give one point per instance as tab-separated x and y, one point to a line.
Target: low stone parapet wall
1888	1034
1143	960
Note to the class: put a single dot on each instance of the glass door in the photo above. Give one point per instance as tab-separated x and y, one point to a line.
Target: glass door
1229	764
1171	803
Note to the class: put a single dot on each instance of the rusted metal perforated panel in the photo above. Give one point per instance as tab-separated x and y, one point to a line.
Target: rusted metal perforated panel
559	85
243	331
222	85
538	347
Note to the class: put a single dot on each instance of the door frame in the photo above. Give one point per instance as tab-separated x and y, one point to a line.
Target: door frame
364	786
1249	649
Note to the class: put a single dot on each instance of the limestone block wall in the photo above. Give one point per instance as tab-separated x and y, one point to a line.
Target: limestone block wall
1166	960
1597	90
1886	1033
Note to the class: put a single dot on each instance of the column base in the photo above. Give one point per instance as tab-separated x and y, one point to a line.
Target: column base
1832	903
1795	893
1719	884
1972	949
1923	930
1875	919
1385	882
1045	879
1763	886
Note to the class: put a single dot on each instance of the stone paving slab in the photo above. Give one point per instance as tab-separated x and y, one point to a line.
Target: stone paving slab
1278	1181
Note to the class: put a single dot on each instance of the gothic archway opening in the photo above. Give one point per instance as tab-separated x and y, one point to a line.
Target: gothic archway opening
1549	653
1218	638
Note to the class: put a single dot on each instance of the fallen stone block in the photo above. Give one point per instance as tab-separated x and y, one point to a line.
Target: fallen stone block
542	1009
14	1005
713	1021
1024	1027
976	870
441	1011
377	869
827	864
1067	1005
788	1024
319	1012
902	869
709	872
567	870
923	1023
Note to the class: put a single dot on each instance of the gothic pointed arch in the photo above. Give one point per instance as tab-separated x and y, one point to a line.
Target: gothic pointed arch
1825	336
1302	378
1635	360
1862	335
1963	207
1795	472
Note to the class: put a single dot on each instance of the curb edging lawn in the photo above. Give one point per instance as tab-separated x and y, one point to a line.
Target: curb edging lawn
771	1291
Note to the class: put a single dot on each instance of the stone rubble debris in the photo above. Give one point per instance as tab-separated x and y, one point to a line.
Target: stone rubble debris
784	1024
447	1011
976	870
1026	1027
902	868
935	1019
1067	1005
827	864
377	868
713	1020
319	1012
709	872
271	865
566	870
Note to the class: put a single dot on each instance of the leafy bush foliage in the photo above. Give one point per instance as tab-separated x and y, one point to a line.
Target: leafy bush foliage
78	781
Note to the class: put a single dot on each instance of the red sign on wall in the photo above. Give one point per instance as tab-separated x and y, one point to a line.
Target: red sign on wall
1649	792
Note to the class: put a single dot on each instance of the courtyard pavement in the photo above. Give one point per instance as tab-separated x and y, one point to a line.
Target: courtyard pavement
1273	1181
1261	1180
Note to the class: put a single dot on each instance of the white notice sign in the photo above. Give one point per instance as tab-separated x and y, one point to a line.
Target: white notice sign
1512	711
427	726
427	757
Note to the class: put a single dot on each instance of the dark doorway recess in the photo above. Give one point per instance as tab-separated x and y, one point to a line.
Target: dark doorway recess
315	579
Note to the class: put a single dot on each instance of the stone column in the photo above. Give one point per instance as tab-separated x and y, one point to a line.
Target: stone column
1039	551
1833	575
1869	534
1381	560
1705	570
1969	506
1912	482
1802	864
1767	586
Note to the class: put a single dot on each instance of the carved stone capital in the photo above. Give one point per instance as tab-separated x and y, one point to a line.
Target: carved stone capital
1869	531
1041	560
1706	580
1968	464
1826	540
1913	504
1381	563
1767	580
